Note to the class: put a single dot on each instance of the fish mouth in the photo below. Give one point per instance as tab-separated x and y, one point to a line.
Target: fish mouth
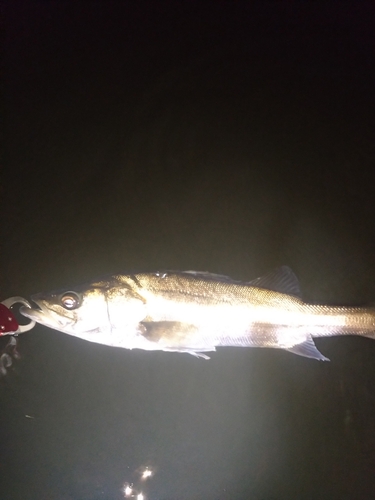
36	311
41	312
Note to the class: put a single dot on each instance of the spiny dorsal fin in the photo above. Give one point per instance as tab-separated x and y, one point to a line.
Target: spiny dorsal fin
281	280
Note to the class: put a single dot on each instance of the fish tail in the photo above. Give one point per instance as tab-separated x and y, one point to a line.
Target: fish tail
347	321
365	325
361	322
336	321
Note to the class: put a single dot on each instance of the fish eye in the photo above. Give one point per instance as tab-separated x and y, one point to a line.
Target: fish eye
70	300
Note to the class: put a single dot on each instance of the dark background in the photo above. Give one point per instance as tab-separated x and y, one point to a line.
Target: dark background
224	137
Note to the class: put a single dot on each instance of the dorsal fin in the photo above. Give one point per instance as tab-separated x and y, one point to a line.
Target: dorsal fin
281	280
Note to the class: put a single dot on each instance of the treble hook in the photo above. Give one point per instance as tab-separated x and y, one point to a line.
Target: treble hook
9	326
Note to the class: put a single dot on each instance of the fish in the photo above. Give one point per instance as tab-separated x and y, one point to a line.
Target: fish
196	312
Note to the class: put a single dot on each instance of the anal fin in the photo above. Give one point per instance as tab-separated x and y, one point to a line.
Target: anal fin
308	349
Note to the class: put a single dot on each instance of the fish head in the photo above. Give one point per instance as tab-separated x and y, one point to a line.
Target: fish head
91	312
107	312
73	311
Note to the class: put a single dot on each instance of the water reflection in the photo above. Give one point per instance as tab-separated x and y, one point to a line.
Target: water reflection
128	490
146	473
131	491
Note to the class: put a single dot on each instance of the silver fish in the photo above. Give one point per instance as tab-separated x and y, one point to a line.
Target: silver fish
196	312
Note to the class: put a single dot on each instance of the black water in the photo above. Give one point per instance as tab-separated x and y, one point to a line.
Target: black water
225	138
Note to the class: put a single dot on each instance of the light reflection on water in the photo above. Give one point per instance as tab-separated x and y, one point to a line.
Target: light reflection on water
133	491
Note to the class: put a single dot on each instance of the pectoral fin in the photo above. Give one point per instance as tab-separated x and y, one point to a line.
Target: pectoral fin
308	349
194	352
177	337
169	332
